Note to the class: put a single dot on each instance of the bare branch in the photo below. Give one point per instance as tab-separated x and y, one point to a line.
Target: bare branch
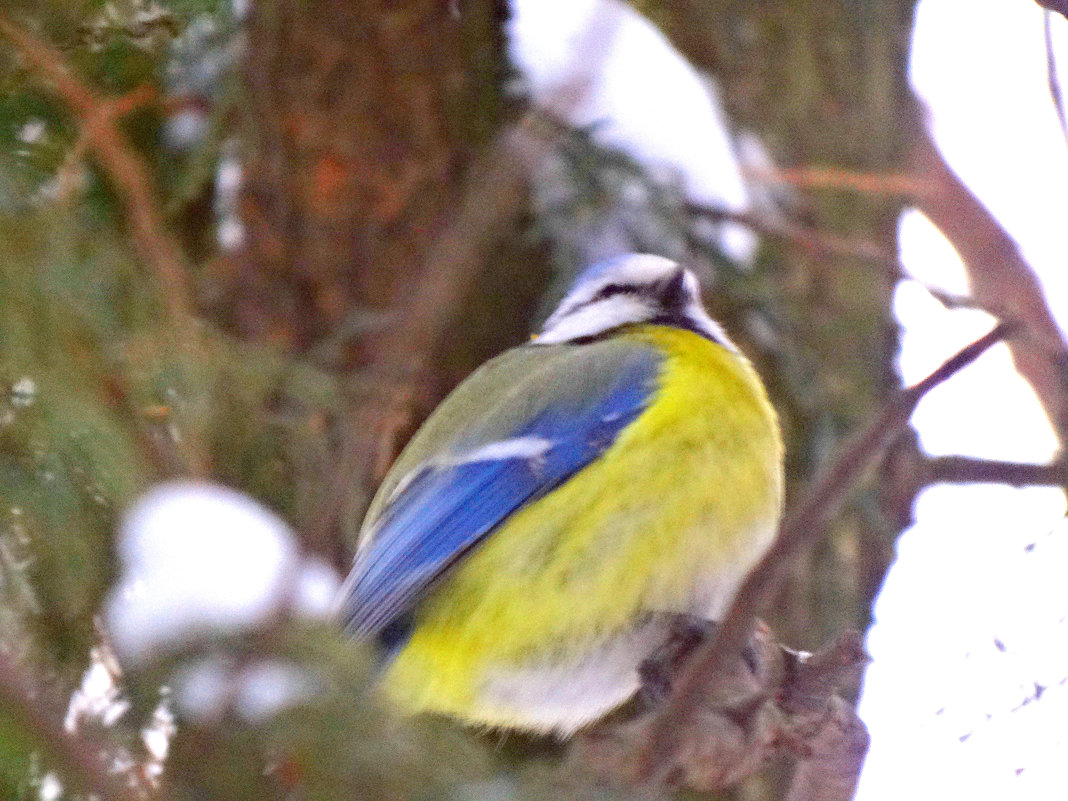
82	760
1002	281
1052	80
126	171
823	244
774	702
1000	278
1058	6
799	530
811	240
836	178
967	470
812	680
834	756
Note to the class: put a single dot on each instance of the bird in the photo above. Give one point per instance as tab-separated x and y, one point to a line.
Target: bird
529	548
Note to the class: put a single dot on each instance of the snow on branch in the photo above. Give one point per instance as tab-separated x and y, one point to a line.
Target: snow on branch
84	759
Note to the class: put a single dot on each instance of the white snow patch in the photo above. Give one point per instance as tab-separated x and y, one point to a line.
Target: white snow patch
316	588
267	687
98	698
186	128
202	688
32	131
23	392
50	788
156	737
643	96
203	560
214	686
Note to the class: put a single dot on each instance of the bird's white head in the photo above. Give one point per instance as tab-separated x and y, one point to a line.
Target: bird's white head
636	288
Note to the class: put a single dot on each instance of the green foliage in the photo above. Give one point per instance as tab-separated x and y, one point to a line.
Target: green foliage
17	748
97	399
67	457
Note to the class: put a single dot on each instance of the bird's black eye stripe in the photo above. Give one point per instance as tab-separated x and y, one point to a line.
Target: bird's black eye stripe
611	290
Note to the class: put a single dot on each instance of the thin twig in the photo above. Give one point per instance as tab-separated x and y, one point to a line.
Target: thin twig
819	243
1051	73
968	470
80	759
836	178
1000	278
66	176
69	173
799	530
822	244
97	115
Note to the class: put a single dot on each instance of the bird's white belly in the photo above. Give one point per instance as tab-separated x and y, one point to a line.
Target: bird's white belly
562	696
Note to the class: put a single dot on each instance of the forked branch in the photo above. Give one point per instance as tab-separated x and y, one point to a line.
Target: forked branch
98	116
665	735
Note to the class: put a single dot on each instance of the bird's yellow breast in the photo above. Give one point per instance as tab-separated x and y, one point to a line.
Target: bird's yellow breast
669	518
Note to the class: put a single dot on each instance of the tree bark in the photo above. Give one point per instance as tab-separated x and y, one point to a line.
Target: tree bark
362	119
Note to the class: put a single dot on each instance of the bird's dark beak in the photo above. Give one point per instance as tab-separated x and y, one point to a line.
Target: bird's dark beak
673	291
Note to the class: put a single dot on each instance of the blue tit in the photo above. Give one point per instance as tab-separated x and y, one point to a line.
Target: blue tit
530	547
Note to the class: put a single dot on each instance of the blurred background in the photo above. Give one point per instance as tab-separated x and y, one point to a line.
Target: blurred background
246	246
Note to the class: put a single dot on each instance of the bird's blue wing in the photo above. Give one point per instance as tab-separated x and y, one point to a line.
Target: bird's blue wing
447	505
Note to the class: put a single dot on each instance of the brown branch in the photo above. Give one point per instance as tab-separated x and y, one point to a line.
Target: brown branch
80	758
836	178
1002	281
967	470
1057	6
772	703
822	244
813	679
128	174
1000	278
812	241
834	755
1052	81
916	471
66	176
799	530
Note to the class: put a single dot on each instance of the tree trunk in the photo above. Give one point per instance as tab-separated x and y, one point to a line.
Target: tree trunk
362	119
